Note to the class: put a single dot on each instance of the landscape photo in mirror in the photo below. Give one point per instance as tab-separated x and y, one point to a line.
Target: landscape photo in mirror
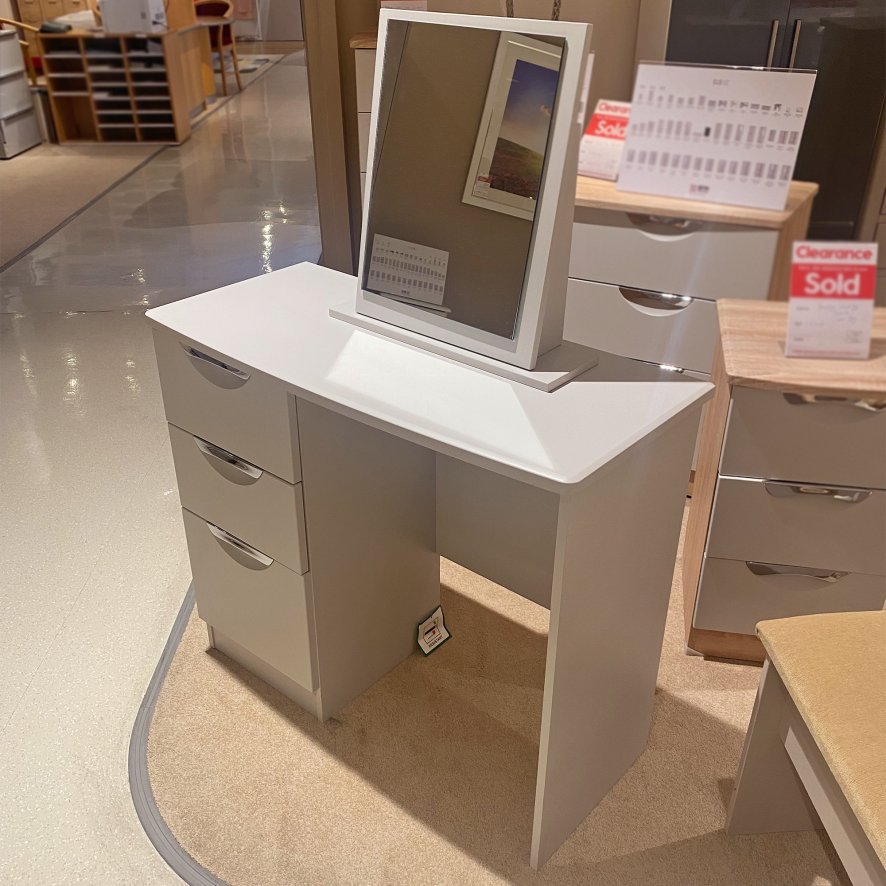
509	156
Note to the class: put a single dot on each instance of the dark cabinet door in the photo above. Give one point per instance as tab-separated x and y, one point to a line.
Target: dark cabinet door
727	32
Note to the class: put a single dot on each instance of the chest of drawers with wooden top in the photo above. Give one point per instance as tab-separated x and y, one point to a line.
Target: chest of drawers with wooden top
788	515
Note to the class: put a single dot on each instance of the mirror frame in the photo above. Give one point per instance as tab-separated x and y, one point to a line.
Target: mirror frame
541	312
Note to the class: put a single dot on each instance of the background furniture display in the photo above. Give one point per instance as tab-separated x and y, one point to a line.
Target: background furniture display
217	17
19	129
398	456
845	43
124	88
788	516
645	272
814	749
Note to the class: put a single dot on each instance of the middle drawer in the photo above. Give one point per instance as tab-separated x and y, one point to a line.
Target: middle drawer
774	522
675	330
257	507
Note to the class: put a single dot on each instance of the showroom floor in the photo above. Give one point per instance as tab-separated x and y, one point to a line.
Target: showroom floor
93	560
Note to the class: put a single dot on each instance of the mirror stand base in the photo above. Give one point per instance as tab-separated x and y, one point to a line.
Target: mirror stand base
553	369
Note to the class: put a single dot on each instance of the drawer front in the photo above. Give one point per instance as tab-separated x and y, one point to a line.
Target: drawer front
263	606
363	121
74	5
364	69
770	522
684	257
30	11
259	508
790	437
15	96
238	409
19	133
734	595
675	330
53	8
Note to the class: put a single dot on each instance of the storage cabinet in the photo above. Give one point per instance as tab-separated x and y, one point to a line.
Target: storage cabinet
645	272
789	511
19	129
129	88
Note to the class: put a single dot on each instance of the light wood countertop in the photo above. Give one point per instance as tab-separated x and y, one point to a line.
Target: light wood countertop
596	193
364	40
753	335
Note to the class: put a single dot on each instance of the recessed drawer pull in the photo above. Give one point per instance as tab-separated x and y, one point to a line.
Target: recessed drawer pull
229	458
641	220
234	542
785	490
813	399
194	354
659	300
826	575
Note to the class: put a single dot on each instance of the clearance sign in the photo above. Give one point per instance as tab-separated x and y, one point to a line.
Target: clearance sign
832	300
600	152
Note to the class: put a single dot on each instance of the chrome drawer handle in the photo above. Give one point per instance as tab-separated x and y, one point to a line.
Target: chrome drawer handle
838	493
194	354
234	542
816	399
662	300
679	225
229	458
826	575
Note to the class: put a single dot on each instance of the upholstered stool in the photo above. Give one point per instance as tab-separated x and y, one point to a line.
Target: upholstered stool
815	752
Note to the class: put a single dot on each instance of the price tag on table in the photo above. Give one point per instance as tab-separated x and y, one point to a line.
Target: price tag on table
832	300
600	152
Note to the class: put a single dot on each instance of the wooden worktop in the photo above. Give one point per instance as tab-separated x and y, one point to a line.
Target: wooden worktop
364	40
753	335
596	193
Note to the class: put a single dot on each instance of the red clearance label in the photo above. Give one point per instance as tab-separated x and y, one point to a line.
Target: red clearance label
834	270
607	126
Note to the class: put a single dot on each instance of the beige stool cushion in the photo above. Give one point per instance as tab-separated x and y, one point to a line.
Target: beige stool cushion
834	667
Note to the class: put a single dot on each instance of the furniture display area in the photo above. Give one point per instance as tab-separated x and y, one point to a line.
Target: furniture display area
124	88
813	753
217	17
19	129
324	469
645	272
788	516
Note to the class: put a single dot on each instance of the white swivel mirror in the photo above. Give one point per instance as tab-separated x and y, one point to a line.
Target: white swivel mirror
470	187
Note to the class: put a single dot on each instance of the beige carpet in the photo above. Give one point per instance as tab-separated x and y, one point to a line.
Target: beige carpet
429	777
44	187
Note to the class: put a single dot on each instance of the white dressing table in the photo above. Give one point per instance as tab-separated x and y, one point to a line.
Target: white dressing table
324	469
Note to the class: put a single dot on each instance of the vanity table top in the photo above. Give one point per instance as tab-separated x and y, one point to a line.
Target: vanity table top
279	325
752	335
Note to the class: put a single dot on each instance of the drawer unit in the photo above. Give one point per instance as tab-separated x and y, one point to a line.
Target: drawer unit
735	594
783	436
18	133
231	406
254	505
776	522
251	598
675	330
679	256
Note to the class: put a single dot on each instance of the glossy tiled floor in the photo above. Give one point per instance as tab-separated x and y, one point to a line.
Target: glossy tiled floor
93	565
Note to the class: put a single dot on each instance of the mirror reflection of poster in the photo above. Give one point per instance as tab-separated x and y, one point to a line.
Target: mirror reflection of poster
508	160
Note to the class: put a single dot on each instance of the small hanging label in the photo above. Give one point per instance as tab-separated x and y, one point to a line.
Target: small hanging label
432	632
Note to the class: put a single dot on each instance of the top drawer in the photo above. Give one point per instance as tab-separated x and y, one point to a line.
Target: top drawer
238	409
778	436
680	256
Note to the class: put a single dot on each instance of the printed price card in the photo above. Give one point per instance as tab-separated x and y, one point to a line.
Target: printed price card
831	311
600	152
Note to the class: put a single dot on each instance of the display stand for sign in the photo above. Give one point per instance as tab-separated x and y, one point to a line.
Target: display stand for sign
722	135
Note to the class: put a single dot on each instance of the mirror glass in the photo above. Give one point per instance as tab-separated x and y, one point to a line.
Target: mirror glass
463	131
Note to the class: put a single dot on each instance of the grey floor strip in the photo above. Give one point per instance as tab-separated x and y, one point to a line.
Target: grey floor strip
155	827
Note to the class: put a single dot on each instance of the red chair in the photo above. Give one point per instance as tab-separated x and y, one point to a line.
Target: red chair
221	35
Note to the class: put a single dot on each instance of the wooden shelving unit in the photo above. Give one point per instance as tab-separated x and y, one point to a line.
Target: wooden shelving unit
129	88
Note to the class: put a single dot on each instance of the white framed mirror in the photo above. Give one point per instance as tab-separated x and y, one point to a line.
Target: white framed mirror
470	185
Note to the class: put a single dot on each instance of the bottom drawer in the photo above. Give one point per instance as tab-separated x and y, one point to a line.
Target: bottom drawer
254	600
18	133
734	594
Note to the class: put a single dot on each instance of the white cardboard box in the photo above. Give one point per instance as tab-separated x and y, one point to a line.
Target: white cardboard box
133	16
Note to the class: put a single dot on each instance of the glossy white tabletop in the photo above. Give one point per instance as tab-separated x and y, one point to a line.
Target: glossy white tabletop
279	324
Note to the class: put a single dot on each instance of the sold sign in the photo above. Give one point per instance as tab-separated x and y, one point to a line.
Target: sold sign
832	300
834	270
